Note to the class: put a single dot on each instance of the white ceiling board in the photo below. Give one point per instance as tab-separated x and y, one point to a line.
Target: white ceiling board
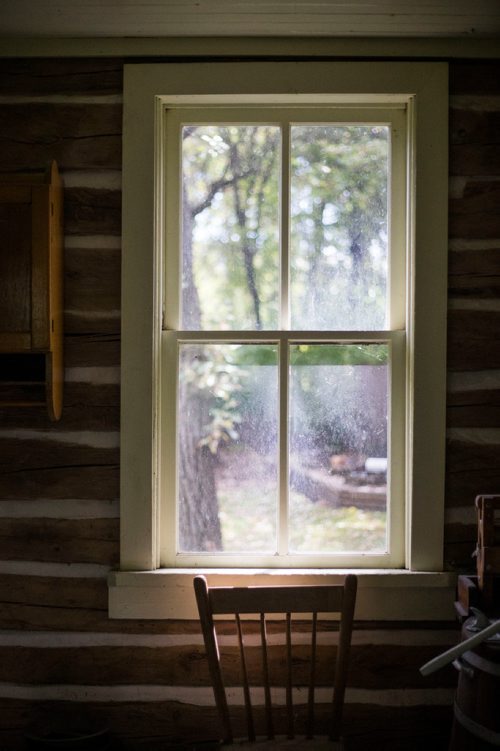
263	18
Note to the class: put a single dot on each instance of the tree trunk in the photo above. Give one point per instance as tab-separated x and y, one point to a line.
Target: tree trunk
199	526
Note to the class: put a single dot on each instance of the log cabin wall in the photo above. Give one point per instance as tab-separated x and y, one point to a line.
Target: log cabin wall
60	655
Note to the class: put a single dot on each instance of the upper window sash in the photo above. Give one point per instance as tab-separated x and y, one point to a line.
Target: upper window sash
178	111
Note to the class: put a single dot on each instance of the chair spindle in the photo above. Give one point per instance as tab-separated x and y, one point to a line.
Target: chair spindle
265	675
246	685
312	678
289	700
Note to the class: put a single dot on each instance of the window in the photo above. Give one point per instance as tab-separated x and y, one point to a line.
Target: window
284	330
262	331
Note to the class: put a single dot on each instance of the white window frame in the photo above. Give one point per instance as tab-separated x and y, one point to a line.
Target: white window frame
422	87
290	110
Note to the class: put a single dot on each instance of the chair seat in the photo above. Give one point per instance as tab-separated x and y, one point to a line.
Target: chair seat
286	744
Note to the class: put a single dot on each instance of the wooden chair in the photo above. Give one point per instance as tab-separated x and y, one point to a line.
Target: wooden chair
238	601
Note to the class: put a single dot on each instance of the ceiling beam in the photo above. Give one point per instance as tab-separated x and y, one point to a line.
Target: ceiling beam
244	47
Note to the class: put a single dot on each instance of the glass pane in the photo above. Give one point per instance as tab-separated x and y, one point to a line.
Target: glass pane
338	448
338	251
230	227
227	447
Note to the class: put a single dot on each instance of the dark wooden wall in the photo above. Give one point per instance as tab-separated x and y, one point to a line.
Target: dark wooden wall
473	403
60	655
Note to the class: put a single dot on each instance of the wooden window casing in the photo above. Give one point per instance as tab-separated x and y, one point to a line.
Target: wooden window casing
422	89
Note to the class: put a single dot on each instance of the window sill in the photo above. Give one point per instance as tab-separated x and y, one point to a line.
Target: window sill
383	594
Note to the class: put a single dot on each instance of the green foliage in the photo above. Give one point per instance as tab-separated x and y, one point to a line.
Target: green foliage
338	226
318	527
207	374
338	354
232	172
250	516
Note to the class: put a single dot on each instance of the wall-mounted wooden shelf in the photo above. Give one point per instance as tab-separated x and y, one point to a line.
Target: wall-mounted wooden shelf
31	291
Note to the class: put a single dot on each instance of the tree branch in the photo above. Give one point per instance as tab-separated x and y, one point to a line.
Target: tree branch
218	185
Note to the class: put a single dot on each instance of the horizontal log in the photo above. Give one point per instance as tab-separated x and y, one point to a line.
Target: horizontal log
45	604
76	604
92	290
480	263
86	481
474	273
463	456
60	540
60	530
50	603
76	136
61	76
72	604
43	617
471	469
91	350
458	556
474	126
102	395
460	542
34	394
60	551
133	720
24	454
91	211
475	214
96	322
32	468
86	407
471	340
153	725
475	77
459	547
474	159
54	592
371	666
473	409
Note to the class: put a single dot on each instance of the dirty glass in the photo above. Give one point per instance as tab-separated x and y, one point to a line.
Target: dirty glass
230	227
338	242
338	447
227	447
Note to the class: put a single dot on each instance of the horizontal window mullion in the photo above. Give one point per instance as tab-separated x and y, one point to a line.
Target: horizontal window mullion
284	336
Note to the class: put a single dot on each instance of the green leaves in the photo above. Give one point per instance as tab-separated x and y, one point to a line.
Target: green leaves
339	354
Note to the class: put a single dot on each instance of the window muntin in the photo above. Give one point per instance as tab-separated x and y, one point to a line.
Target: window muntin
235	330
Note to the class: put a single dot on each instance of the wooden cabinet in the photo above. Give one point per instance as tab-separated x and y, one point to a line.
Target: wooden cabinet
31	291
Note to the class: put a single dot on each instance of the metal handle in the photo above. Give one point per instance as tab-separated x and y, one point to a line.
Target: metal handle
451	654
462	667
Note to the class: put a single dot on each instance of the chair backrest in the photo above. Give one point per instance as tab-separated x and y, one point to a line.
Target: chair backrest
262	601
